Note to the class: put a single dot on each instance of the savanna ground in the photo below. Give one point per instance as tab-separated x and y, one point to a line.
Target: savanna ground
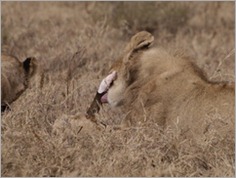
46	133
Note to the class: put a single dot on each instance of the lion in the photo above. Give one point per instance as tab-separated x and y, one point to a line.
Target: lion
15	76
167	88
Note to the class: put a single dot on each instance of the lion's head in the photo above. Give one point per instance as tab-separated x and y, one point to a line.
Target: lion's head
15	77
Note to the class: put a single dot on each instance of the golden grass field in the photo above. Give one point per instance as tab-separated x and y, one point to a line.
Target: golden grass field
46	134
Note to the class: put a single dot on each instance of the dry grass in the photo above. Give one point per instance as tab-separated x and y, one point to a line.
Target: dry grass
46	134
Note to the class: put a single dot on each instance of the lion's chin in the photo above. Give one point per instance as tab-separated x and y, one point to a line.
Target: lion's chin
104	98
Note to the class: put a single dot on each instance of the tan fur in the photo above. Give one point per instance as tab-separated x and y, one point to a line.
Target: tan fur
15	77
169	89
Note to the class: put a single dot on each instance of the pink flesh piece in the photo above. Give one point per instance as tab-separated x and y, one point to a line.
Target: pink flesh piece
106	82
104	98
111	77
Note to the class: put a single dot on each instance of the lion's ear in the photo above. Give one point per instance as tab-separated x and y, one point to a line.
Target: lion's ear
26	64
139	41
29	64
